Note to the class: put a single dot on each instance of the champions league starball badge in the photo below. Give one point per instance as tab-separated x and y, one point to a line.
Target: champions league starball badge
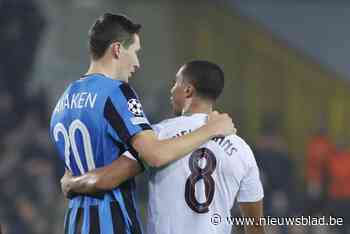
135	107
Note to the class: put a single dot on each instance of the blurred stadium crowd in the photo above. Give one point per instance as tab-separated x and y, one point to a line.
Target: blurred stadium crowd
30	197
30	200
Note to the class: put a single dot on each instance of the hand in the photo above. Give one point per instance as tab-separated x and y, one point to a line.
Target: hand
65	184
220	124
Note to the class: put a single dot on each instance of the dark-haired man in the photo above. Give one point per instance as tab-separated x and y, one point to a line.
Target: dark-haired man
100	116
190	194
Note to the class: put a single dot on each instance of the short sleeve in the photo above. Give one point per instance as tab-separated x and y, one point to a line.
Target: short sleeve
157	128
251	189
129	155
124	114
132	154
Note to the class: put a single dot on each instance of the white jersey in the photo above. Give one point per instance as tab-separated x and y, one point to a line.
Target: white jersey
185	195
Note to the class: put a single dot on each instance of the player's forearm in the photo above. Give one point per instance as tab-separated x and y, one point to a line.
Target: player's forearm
179	147
85	184
105	178
116	173
158	153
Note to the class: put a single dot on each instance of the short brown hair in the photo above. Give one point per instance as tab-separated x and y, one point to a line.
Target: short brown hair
108	29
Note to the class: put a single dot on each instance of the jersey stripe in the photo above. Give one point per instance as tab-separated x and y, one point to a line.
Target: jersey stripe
117	195
66	222
117	217
79	222
116	121
126	190
128	92
136	155
131	150
145	127
105	216
86	222
72	221
94	220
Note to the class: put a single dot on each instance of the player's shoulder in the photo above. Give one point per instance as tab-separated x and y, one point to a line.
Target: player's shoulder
192	121
101	80
122	88
119	91
243	147
170	121
166	123
238	140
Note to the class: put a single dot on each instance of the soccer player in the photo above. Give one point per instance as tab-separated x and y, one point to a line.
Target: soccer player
99	116
188	194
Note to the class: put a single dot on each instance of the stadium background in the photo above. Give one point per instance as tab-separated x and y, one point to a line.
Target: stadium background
281	93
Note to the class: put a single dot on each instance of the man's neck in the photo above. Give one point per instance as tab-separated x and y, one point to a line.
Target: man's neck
103	68
196	107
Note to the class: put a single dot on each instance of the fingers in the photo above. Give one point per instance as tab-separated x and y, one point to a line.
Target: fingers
214	113
221	124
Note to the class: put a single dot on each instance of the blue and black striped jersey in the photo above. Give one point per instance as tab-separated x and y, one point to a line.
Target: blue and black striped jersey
92	125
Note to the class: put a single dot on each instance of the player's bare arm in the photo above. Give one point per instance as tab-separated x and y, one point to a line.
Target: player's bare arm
157	153
108	177
253	210
101	179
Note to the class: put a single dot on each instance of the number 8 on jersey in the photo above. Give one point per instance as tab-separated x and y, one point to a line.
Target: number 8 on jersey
198	173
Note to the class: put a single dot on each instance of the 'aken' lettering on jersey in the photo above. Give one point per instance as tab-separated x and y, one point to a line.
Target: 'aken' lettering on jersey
76	101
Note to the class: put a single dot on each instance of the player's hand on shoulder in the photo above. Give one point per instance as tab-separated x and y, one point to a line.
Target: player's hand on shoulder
221	124
66	184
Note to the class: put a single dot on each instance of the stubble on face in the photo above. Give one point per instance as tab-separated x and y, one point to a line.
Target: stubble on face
129	58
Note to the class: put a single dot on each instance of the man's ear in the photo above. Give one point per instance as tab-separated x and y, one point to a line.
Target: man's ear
189	91
116	47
